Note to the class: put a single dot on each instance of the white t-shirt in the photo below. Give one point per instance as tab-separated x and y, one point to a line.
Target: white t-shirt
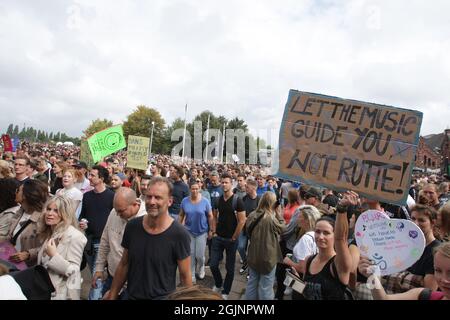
306	246
72	193
10	289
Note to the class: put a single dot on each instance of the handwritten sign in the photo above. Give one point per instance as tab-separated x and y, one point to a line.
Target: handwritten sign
393	244
349	145
137	152
106	142
7	250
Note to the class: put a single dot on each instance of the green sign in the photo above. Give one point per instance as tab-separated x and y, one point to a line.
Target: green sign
85	154
106	142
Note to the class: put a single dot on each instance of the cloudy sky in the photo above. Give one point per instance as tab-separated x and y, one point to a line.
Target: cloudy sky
65	63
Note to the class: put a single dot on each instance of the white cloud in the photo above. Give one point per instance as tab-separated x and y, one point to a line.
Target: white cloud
65	63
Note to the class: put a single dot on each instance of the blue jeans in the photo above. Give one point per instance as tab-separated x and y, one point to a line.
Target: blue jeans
218	245
198	246
242	246
94	294
260	286
107	285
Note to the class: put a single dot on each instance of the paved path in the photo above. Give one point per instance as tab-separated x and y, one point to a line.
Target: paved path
237	289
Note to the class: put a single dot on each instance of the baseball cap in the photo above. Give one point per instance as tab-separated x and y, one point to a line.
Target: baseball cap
80	164
314	192
121	175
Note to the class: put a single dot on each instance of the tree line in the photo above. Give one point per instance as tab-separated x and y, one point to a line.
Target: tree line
32	135
139	123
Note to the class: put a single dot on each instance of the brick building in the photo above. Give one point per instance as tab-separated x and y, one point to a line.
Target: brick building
445	152
427	158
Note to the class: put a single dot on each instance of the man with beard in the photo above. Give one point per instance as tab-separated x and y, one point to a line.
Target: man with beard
155	245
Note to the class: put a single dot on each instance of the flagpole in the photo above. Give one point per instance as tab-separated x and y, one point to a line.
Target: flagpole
184	133
207	139
223	142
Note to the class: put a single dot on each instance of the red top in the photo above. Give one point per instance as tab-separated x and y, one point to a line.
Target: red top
289	211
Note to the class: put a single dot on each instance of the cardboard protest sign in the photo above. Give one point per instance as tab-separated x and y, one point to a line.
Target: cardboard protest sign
393	244
106	142
7	143
137	152
85	154
349	145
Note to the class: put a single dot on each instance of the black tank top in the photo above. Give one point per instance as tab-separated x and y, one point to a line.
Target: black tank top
323	286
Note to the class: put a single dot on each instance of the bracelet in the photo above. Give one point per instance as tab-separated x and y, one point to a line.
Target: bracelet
341	208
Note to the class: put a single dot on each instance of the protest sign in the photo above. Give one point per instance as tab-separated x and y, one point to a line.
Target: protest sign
349	145
7	143
85	154
106	142
15	144
393	244
137	152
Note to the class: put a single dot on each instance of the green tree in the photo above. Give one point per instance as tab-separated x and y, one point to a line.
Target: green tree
139	123
10	129
16	130
95	126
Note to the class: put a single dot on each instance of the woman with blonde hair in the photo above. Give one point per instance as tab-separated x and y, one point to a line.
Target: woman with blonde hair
306	245
264	226
62	250
5	170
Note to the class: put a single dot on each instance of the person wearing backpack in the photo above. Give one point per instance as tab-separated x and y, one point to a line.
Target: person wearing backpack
251	200
264	226
229	220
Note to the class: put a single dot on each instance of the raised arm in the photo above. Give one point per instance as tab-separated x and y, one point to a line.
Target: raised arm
343	260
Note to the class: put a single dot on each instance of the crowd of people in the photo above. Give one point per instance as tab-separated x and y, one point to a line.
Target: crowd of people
142	234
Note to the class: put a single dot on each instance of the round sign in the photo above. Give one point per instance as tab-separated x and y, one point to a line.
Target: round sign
393	244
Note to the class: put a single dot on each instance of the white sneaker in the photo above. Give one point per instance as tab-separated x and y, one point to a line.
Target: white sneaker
215	289
201	274
224	296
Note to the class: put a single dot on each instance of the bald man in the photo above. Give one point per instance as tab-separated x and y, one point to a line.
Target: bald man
126	207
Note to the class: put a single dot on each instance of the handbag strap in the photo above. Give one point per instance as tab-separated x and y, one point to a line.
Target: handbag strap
253	225
14	239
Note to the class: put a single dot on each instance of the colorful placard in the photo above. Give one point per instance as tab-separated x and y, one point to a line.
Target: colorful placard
106	142
7	143
392	244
